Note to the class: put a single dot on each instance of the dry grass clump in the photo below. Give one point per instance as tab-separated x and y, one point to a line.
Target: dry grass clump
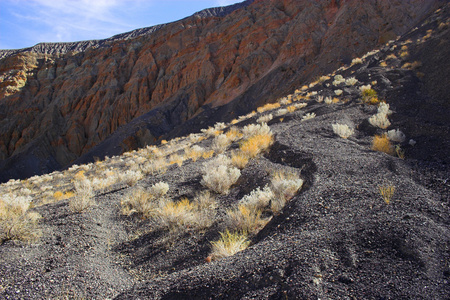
58	195
184	214
16	222
265	118
381	143
218	175
343	130
246	219
268	106
234	134
386	192
144	202
83	198
154	166
229	244
176	159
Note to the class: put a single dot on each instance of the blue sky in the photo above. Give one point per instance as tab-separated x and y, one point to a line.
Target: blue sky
24	23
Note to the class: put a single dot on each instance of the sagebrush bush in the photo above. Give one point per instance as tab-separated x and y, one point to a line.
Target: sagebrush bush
284	185
218	175
258	199
194	152
246	219
229	244
139	201
255	129
265	118
343	130
16	222
308	116
83	198
220	143
338	79
380	120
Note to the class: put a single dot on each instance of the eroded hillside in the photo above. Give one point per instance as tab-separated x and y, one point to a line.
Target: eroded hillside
56	107
338	190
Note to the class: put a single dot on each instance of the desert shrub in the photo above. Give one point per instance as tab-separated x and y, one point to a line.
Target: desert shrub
255	129
328	100
173	215
220	143
396	135
268	106
176	159
194	152
239	159
208	154
130	177
16	222
256	144
156	165
245	219
144	202
83	198
265	118
356	61
370	96
338	79
351	81
308	116
383	108
284	186
380	121
218	175
258	199
343	130
338	92
229	244
234	134
58	195
139	201
381	143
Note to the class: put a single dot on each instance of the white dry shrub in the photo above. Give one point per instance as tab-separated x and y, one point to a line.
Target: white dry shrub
338	79
265	118
258	199
328	100
351	81
210	131
159	189
220	143
284	185
300	105
365	87
205	210
16	222
338	92
139	201
130	177
281	112
319	98
380	120
308	116
218	175
396	135
83	198
383	108
255	129
156	165
220	126
343	130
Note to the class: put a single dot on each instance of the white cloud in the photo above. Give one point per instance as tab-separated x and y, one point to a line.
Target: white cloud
227	2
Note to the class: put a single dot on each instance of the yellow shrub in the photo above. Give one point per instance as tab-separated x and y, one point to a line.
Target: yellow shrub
256	144
58	195
208	154
268	106
239	159
291	108
383	144
79	175
244	219
234	134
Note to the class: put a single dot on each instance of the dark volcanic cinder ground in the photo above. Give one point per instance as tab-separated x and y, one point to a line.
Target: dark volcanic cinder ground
336	239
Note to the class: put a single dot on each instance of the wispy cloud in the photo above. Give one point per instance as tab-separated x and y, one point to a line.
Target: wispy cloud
66	20
227	2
